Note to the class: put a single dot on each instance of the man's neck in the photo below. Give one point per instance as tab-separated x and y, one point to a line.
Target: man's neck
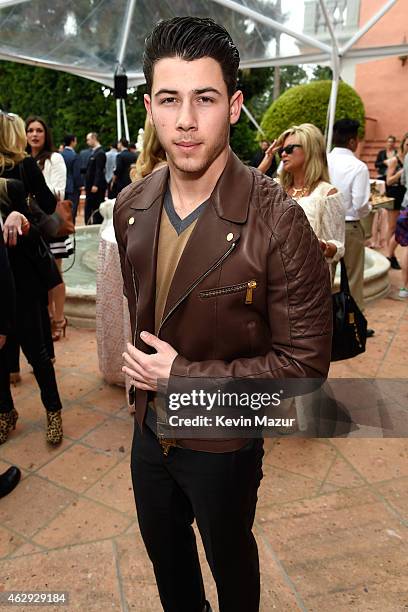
189	189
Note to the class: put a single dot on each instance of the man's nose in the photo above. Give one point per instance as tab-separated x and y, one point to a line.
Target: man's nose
186	118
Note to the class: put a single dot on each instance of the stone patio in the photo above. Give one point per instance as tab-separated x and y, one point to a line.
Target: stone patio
331	519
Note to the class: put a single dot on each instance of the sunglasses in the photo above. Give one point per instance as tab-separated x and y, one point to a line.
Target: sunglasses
288	149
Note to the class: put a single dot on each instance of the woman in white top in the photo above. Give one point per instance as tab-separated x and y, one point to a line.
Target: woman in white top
52	165
305	177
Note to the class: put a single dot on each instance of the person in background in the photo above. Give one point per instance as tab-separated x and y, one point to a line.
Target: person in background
152	156
305	177
11	477
72	163
33	273
351	177
385	154
259	156
110	167
41	148
95	182
126	157
396	190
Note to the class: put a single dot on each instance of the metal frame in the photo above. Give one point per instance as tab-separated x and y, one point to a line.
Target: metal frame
323	53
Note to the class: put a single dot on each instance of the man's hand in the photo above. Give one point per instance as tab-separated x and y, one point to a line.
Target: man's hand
94	189
2	341
145	370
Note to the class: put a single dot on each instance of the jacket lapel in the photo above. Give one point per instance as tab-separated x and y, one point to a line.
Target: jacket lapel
217	228
143	236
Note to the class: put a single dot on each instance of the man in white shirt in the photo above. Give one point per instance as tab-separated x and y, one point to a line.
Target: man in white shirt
350	175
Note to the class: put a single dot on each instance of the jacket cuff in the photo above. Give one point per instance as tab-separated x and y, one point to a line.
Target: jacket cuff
180	366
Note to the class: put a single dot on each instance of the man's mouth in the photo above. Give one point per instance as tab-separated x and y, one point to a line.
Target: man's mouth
187	144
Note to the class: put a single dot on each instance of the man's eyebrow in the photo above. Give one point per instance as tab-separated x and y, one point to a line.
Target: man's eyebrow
173	92
198	92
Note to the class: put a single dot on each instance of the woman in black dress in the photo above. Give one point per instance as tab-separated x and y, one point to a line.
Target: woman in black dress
396	190
34	273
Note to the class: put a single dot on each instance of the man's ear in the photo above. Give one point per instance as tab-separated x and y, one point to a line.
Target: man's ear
236	103
148	106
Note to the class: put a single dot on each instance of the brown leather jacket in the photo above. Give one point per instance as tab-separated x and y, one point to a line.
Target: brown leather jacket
250	232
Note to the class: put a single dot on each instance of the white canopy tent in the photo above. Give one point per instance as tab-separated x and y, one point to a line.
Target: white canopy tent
91	38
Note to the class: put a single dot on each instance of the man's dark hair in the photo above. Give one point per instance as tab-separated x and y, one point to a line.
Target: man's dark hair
124	142
68	138
344	130
192	38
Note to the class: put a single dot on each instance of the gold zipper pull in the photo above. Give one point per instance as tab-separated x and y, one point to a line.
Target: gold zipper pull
251	285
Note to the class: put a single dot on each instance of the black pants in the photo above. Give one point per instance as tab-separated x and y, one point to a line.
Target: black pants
74	197
32	339
13	346
93	201
219	491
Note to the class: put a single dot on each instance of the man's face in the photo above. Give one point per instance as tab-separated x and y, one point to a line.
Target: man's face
74	143
90	140
191	111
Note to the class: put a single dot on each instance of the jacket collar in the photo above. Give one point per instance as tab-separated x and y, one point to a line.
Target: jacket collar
230	197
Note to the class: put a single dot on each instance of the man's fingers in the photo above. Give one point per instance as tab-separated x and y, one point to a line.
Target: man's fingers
134	365
135	354
152	340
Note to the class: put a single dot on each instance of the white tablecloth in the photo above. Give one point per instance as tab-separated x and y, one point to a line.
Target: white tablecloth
112	314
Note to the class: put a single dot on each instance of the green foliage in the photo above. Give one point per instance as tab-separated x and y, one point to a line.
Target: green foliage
308	104
68	103
257	86
322	73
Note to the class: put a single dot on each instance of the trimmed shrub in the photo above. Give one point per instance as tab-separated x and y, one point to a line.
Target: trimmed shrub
308	104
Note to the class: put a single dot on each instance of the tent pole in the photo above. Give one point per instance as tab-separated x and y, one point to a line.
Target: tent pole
125	121
253	120
118	119
333	100
126	29
367	26
255	16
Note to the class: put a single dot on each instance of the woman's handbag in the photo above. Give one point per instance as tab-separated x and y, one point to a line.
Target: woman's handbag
349	323
401	229
59	223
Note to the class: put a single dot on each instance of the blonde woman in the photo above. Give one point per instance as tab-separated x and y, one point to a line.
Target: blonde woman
305	177
20	176
152	156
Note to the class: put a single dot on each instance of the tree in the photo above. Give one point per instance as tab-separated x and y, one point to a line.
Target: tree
308	104
68	103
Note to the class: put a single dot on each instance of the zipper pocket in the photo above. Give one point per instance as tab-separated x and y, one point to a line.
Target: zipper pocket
197	282
249	287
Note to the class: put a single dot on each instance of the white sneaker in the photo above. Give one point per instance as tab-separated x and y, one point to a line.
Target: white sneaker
403	292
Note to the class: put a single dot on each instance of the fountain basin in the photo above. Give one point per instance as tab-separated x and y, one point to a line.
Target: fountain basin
80	307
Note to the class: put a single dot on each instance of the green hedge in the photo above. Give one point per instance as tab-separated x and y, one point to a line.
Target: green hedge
308	104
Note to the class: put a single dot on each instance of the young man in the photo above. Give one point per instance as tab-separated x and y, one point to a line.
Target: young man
208	222
350	175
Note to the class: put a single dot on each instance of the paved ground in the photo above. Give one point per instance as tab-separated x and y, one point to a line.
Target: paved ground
331	520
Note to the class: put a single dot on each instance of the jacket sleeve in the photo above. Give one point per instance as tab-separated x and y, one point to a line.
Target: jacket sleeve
299	311
58	175
35	184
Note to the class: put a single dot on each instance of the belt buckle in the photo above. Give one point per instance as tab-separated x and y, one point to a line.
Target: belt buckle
166	444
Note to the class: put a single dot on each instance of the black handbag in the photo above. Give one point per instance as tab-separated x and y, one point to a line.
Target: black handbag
349	323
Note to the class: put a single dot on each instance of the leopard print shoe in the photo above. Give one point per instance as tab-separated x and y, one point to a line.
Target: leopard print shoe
54	427
8	422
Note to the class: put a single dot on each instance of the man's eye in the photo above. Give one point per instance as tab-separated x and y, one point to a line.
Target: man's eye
167	101
206	100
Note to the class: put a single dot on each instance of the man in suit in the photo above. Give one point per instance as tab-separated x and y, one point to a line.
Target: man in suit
11	477
95	181
72	163
225	279
126	157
